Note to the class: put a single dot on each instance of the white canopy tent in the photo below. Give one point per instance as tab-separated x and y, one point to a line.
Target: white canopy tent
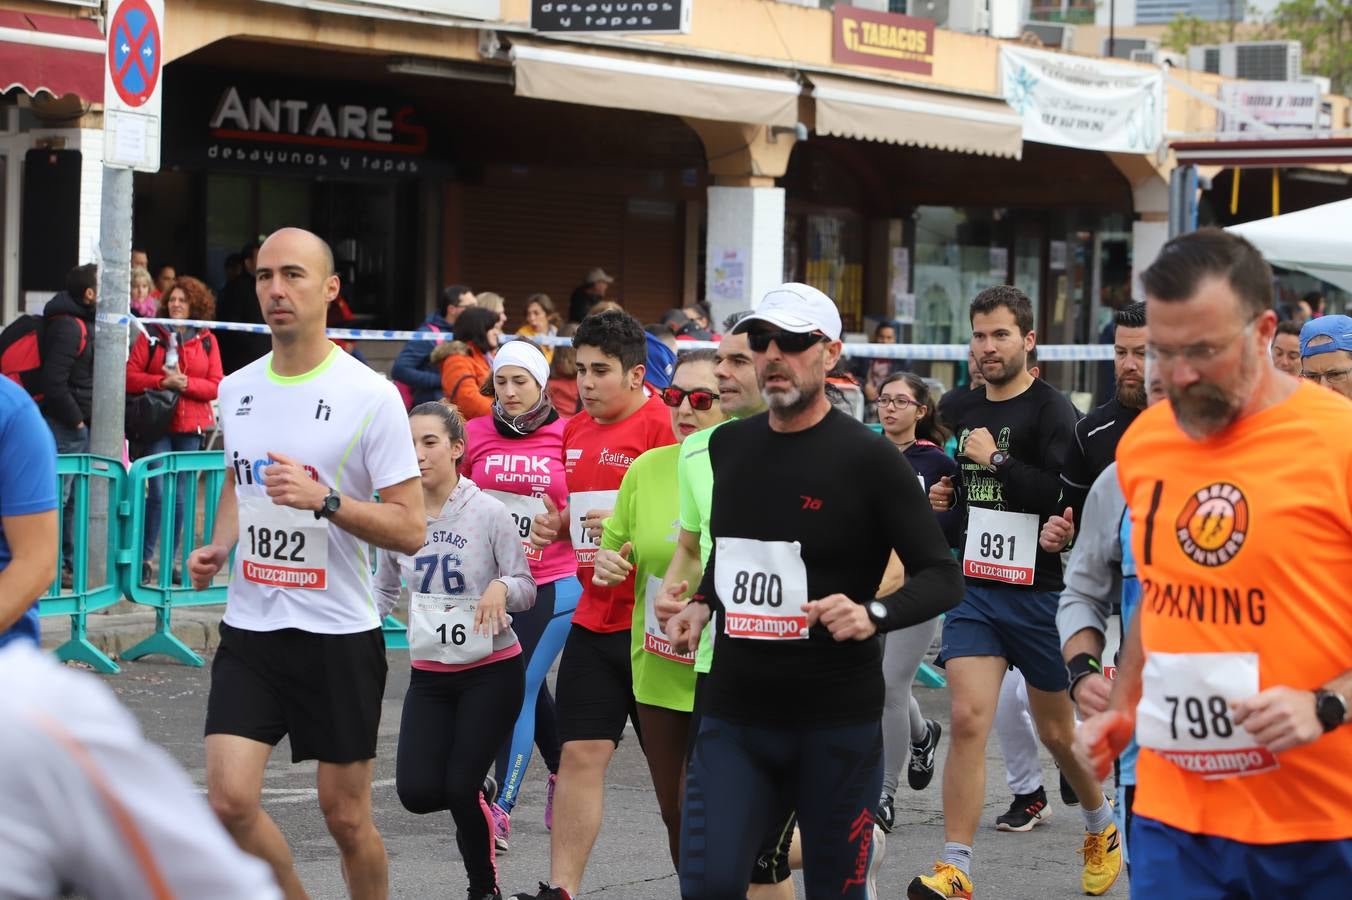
1317	241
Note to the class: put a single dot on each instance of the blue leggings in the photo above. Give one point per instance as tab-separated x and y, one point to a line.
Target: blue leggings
541	630
743	779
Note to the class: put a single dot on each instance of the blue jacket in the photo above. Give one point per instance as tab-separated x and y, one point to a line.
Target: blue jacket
413	367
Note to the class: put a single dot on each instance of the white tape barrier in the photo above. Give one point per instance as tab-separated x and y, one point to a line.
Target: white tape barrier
934	352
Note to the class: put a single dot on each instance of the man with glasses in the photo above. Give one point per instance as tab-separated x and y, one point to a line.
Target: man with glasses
1013	436
1326	353
1286	348
1236	671
795	694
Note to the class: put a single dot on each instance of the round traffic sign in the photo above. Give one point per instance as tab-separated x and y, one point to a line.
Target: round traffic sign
134	52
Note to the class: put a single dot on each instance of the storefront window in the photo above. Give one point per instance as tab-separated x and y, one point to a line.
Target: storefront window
958	253
835	264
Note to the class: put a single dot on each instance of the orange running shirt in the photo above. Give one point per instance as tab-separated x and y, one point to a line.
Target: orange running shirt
1244	547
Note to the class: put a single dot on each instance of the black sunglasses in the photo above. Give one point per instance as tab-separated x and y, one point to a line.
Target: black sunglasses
786	341
700	398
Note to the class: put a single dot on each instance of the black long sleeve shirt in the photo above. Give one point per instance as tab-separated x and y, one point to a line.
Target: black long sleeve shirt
848	498
1036	429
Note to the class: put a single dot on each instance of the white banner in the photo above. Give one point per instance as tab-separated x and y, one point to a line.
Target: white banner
1288	105
1081	102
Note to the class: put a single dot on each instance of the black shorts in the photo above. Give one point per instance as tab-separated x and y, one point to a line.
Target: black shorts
324	690
594	690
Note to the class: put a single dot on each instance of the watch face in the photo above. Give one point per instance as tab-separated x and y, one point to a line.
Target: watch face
1330	709
877	610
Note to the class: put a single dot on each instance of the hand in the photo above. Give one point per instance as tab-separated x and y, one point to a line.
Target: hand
1279	718
612	568
173	380
683	629
490	616
205	563
1058	532
845	619
546	526
594	523
288	484
1101	739
671	601
979	447
1090	695
942	494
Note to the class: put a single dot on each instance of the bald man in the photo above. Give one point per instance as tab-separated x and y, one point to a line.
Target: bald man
301	653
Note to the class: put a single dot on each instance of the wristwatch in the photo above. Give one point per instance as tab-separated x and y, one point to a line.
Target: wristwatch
1330	708
877	613
332	500
998	459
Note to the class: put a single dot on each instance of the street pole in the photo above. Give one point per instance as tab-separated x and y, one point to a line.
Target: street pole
110	350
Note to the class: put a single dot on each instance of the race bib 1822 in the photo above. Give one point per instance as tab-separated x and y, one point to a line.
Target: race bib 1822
282	547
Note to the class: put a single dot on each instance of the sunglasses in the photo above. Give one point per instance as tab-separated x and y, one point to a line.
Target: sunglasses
700	398
786	341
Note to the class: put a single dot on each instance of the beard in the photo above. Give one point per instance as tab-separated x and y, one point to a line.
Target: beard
1009	369
1131	394
792	400
1205	409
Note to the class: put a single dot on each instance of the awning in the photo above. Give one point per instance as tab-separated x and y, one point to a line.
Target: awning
853	108
655	84
1317	241
1265	153
52	54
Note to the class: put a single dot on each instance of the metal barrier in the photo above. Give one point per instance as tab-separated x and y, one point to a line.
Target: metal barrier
198	477
77	476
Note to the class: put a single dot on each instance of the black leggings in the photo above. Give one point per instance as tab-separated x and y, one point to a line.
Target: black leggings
743	779
453	724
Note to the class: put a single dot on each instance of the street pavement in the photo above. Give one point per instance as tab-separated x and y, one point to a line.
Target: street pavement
630	861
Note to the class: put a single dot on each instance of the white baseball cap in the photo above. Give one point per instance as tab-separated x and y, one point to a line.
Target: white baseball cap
795	307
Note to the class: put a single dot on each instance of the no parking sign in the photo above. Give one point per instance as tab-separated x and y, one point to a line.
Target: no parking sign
132	91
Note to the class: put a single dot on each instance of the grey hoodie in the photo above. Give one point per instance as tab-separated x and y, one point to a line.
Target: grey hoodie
479	534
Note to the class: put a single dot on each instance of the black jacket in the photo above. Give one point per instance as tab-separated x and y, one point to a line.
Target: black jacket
1095	448
238	302
67	380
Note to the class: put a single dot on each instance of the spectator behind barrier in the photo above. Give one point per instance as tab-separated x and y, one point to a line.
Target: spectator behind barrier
465	365
413	371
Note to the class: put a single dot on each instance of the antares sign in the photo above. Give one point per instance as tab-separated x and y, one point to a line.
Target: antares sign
885	40
323	129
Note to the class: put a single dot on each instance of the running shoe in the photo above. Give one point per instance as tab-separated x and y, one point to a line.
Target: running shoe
947	881
921	770
1102	860
875	861
502	827
1025	813
886	816
549	801
545	893
1068	793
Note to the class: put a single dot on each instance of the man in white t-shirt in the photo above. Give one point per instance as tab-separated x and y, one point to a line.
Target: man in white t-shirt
310	434
89	807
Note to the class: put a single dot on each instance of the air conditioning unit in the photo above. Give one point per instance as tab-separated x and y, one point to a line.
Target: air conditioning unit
1205	58
967	16
1128	47
1055	35
1325	83
1261	60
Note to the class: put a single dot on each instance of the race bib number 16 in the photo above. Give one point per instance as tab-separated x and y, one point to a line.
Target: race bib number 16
763	586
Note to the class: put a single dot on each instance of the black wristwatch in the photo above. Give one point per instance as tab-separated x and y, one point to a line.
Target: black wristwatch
332	500
1330	708
998	460
877	613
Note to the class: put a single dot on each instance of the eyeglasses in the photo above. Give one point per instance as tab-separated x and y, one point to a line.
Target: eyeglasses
786	341
1195	354
899	401
1333	376
700	398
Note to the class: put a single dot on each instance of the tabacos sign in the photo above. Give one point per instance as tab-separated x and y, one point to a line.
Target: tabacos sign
273	130
884	40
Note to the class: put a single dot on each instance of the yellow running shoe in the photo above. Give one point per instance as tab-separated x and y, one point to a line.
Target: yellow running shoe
1102	860
947	881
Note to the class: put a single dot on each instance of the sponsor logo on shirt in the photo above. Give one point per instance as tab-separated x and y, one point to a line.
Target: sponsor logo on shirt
323	411
1213	524
617	459
245	405
517	468
246	471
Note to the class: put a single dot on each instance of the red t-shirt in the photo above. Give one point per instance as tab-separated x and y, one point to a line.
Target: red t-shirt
596	457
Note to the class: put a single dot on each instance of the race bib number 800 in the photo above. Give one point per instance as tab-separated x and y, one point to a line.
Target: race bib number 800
763	586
